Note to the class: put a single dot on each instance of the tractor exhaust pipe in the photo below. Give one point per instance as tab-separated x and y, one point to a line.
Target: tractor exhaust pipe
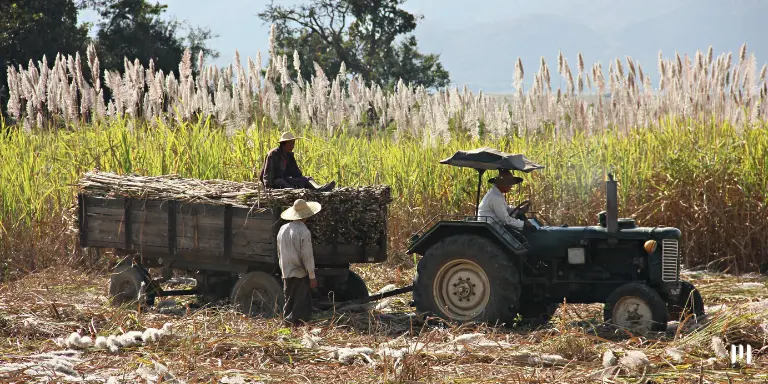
612	205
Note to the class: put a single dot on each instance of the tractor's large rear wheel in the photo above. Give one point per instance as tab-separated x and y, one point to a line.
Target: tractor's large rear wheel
467	278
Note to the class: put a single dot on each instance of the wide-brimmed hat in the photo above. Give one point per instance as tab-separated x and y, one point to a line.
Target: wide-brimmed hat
301	210
505	180
288	136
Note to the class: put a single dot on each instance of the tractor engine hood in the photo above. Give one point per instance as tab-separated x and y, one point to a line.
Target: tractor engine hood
550	241
625	231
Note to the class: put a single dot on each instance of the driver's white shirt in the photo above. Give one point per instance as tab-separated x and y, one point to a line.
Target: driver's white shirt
495	205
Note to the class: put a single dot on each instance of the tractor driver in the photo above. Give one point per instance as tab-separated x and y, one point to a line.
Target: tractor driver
495	205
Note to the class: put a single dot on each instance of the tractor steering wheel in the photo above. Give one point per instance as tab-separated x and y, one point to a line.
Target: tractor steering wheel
519	213
521	209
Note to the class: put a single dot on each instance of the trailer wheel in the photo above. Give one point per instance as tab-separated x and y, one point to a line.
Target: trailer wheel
467	278
125	284
636	307
689	302
258	293
215	286
537	314
354	288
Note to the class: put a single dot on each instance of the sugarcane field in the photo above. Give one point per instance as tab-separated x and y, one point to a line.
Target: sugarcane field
335	209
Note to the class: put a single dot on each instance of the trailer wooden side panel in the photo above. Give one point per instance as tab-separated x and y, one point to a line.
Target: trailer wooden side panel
102	222
172	228
106	220
149	224
200	229
254	234
200	232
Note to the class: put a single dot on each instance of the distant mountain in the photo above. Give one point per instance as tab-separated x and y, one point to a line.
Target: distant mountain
482	55
725	25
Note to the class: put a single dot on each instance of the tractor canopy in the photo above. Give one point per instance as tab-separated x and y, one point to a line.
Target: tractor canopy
488	158
484	159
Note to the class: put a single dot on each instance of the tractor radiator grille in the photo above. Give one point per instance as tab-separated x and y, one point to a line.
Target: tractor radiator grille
670	260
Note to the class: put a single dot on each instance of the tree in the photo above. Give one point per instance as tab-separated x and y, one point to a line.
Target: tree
135	29
30	29
360	33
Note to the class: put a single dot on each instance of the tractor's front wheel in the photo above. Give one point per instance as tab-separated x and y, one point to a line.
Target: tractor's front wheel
636	307
689	302
467	278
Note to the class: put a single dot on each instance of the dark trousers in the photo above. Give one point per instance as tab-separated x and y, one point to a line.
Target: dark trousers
293	182
298	300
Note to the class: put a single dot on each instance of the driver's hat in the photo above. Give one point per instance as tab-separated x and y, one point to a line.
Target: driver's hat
505	179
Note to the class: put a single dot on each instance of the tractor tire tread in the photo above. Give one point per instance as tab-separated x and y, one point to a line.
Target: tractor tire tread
503	277
659	313
690	302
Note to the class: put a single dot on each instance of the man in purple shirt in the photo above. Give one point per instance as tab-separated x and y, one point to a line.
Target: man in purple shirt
280	169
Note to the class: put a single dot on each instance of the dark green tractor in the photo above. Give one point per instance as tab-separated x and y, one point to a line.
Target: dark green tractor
476	269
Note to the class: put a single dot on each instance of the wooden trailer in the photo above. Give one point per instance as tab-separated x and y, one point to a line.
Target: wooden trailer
231	251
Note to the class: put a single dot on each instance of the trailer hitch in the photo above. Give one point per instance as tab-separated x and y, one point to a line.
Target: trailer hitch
370	298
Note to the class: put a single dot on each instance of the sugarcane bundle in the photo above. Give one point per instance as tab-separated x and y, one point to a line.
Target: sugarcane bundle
350	215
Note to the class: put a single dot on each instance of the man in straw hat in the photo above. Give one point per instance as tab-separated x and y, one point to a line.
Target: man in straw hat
280	169
495	205
297	263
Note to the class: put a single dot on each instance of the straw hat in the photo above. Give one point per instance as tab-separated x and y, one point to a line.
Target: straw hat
288	136
301	210
505	180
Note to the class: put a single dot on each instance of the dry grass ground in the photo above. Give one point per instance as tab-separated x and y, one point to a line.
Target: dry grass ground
219	345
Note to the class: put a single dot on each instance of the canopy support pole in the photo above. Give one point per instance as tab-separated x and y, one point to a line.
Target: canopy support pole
477	201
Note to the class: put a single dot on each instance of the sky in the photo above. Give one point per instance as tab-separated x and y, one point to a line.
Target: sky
479	41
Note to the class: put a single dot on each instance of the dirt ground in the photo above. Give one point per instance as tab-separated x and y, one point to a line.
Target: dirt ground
383	342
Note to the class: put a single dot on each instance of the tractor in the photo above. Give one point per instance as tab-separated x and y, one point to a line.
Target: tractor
475	269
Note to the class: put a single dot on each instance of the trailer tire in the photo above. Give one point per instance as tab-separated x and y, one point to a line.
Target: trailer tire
354	288
537	314
689	302
636	307
467	268
215	286
125	285
258	293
